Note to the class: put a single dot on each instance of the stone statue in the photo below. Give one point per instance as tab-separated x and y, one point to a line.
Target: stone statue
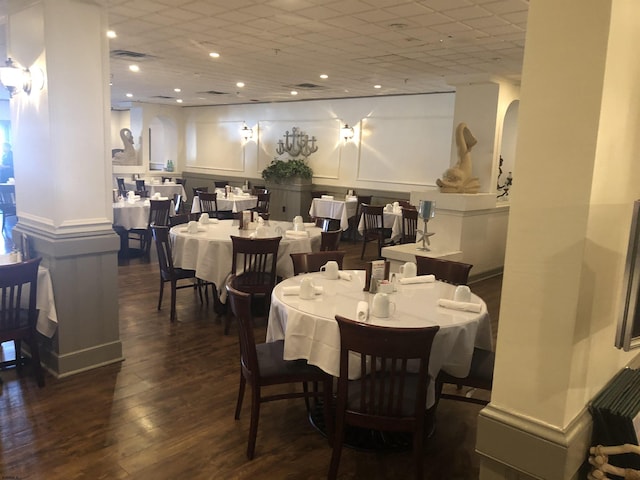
458	179
128	155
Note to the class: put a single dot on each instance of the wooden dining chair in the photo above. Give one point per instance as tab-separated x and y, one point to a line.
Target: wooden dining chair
18	312
166	179
355	220
183	218
406	204
330	240
409	225
480	377
374	231
263	202
140	186
208	203
196	190
220	184
178	278
254	264
159	214
255	190
318	193
7	203
122	188
456	273
388	396
312	261
262	365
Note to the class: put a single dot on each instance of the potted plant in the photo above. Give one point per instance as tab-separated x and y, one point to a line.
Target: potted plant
282	171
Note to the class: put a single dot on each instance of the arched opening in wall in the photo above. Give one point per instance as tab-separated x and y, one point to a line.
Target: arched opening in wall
506	171
163	143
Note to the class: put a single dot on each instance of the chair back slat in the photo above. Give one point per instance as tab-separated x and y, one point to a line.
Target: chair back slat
330	240
159	212
16	282
448	271
209	203
240	304
409	224
254	263
163	247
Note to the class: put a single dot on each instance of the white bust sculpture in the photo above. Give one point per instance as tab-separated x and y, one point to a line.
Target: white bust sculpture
458	179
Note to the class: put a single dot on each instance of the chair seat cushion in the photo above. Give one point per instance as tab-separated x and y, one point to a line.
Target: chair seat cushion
272	364
179	274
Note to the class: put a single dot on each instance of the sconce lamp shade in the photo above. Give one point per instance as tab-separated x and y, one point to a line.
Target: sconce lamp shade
346	132
246	132
16	79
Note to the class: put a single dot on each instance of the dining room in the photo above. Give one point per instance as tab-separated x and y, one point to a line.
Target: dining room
568	220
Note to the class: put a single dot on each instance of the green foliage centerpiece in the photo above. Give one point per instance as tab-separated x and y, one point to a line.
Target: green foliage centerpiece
279	171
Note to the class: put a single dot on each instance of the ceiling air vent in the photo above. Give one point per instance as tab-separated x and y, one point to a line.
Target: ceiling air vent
128	54
163	97
214	92
309	86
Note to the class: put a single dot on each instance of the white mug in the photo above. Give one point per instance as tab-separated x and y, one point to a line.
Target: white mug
204	218
297	219
381	306
298	227
462	294
408	270
306	289
331	270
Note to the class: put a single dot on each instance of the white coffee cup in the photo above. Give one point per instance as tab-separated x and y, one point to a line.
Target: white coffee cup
297	219
204	218
462	294
331	270
408	270
306	289
381	306
192	227
298	227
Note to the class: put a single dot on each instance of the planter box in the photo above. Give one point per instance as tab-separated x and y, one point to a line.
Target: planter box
290	198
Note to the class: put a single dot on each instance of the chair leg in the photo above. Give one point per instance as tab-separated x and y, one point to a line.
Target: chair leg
17	346
243	382
417	453
161	293
364	244
255	416
173	300
305	389
336	452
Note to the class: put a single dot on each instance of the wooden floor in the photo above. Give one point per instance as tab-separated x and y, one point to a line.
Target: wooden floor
166	412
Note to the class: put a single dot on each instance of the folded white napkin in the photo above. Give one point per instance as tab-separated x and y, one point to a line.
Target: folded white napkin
344	275
362	311
295	290
155	196
161	198
463	306
327	197
418	279
351	199
246	194
295	234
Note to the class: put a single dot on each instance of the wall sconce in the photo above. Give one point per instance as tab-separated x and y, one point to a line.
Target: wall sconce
16	79
346	132
246	132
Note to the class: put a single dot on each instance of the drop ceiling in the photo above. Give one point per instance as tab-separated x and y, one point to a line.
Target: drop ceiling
278	46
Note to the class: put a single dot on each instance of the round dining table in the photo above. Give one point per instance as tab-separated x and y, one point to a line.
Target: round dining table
310	331
210	252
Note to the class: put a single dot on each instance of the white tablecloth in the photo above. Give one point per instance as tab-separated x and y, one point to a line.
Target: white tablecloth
235	203
336	209
47	318
130	215
210	252
391	220
310	331
164	189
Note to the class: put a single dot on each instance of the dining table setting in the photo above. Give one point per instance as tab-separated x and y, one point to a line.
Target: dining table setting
206	247
327	206
167	188
304	317
234	200
391	219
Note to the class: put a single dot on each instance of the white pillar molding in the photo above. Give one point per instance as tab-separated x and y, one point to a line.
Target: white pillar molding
60	138
568	229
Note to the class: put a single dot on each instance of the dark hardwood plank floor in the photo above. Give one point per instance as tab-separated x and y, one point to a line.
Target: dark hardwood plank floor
166	412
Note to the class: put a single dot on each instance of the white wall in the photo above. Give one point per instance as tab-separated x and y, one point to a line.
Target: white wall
401	143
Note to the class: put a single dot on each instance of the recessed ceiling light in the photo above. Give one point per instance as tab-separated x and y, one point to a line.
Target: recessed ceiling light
377	86
129	95
293	92
134	68
324	76
177	90
111	34
214	55
179	100
240	84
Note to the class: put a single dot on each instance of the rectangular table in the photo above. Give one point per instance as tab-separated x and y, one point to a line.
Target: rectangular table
336	209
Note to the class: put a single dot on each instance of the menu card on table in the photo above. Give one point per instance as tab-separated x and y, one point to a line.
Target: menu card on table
375	272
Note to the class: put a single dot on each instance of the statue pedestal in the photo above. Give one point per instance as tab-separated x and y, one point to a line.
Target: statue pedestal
475	224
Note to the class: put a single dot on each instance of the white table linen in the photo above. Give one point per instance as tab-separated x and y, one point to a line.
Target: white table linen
164	189
336	209
391	220
310	331
235	203
129	215
45	303
210	253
